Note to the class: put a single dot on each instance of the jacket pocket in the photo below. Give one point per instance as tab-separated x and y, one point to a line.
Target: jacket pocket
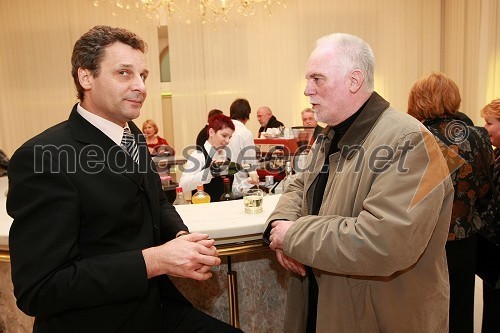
363	308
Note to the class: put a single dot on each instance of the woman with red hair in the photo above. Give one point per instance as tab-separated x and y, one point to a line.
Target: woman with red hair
201	166
491	296
435	100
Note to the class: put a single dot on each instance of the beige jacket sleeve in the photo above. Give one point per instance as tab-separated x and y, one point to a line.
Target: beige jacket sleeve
394	214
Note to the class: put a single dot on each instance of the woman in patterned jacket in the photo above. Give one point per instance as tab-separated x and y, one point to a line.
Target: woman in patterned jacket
435	100
491	297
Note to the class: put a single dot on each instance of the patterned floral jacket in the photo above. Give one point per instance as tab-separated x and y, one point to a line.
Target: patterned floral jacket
491	217
462	151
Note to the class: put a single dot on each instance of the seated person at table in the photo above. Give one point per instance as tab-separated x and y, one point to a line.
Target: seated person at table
153	140
4	163
267	120
200	167
203	135
309	120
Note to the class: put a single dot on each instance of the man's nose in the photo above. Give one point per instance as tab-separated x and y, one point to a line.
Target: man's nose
139	84
308	91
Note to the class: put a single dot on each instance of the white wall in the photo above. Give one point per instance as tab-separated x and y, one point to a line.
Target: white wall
262	59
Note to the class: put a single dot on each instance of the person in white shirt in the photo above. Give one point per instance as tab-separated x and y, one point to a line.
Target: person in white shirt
241	145
201	166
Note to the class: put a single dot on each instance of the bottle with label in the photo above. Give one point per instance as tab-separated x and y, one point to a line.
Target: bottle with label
288	175
179	199
200	196
166	180
228	193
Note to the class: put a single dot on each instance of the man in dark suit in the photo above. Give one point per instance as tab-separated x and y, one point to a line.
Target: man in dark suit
94	239
267	120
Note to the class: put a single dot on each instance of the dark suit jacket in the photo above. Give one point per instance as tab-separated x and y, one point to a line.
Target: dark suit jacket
202	137
272	123
82	214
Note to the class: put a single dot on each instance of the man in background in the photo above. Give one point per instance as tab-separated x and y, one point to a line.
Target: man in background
241	145
364	228
267	120
94	239
309	120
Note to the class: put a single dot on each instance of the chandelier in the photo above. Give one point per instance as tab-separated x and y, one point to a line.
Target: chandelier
204	10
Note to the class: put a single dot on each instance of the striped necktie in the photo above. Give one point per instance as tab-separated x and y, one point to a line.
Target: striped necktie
129	144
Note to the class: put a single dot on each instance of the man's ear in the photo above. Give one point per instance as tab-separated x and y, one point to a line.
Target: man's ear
356	80
85	78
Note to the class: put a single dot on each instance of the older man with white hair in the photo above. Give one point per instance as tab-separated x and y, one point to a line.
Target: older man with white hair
267	120
364	228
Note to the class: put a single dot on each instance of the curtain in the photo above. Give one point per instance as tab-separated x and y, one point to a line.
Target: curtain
36	41
263	58
470	52
260	58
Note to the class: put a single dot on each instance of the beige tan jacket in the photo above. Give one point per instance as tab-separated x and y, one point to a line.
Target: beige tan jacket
377	245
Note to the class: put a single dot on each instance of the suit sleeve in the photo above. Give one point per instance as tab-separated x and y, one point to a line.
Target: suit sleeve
48	273
170	221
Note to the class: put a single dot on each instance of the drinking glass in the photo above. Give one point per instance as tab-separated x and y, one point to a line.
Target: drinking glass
252	198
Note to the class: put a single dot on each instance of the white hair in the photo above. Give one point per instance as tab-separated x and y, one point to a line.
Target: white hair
354	53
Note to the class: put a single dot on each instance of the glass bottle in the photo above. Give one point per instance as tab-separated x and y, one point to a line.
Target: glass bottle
228	193
179	199
200	196
288	175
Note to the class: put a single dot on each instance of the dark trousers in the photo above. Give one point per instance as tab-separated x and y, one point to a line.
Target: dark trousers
179	318
491	310
461	255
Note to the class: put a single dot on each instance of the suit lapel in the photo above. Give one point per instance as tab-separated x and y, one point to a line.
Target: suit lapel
107	152
150	179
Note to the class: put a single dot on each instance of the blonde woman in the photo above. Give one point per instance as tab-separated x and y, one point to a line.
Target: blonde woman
153	140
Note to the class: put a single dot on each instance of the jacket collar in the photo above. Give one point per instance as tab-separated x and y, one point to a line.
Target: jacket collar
363	124
118	161
114	157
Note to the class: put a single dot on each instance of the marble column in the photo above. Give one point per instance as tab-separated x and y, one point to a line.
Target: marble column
262	284
12	320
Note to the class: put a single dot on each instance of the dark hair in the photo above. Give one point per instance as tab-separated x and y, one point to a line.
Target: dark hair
240	109
214	112
219	122
89	49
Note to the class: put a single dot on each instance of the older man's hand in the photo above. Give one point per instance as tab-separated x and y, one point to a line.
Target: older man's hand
290	263
277	235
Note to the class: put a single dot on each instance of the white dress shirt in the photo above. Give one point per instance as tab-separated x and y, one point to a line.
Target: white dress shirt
241	145
112	130
194	173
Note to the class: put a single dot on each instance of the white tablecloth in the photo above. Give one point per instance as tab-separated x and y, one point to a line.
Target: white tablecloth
226	222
